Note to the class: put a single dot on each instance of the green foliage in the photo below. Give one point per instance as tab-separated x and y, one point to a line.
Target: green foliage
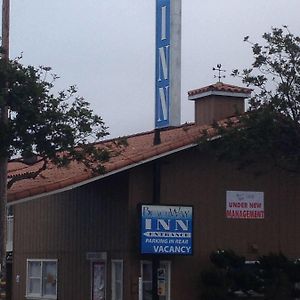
55	128
229	277
270	131
272	276
222	259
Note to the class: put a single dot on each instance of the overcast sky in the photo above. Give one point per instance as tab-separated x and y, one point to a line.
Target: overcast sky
106	48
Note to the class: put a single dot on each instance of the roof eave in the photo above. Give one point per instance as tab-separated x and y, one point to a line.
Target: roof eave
219	93
82	183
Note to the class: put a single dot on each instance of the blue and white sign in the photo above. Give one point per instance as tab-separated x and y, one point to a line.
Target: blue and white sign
162	68
166	230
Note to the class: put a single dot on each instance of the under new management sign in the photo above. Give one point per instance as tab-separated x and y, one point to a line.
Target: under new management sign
245	205
166	229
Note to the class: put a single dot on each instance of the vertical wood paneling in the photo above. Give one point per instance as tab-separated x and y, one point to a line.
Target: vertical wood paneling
68	225
102	216
201	181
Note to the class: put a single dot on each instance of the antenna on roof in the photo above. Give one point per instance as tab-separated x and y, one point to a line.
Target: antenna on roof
218	68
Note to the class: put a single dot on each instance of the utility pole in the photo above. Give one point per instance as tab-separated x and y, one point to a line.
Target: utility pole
5	28
156	200
4	156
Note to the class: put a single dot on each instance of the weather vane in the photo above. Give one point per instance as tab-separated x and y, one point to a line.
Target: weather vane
218	68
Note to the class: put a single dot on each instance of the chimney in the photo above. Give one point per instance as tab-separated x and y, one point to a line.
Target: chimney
218	101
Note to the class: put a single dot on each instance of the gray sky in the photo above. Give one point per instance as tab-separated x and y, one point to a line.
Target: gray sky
106	48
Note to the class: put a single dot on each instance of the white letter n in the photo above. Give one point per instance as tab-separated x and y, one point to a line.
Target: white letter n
163	22
163	97
163	63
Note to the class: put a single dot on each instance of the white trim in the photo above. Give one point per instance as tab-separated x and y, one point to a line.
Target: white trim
251	262
73	186
219	93
96	256
146	262
40	296
113	261
9	233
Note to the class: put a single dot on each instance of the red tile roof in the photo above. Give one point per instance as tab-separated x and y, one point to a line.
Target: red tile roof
140	149
220	87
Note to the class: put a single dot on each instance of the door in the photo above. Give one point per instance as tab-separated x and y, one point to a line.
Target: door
98	280
164	280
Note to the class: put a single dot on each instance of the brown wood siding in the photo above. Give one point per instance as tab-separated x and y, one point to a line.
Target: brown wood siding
65	227
140	191
193	178
215	108
103	216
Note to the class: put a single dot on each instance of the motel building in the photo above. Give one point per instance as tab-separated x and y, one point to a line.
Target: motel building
75	236
145	229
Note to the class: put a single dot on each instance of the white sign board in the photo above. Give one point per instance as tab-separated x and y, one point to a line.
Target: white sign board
244	205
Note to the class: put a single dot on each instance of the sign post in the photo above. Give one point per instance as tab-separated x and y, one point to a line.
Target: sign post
156	200
4	159
167	88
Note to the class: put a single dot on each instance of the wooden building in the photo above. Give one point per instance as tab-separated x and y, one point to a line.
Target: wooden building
76	236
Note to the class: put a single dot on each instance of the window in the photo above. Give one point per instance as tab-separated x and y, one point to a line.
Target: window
117	280
146	270
146	274
9	235
98	280
41	279
10	229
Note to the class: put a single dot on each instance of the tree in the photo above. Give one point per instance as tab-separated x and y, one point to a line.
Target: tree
52	129
43	127
270	131
270	277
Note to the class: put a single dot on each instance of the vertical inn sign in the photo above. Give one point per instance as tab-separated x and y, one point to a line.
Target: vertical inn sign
166	229
162	64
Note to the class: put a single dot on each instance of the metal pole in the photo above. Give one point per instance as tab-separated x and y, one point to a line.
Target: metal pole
3	156
157	139
156	200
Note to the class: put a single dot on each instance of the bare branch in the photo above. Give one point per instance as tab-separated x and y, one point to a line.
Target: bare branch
28	175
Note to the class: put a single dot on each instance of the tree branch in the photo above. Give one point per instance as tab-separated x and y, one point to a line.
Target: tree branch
29	175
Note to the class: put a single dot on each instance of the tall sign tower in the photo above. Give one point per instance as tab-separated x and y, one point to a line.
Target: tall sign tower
168	63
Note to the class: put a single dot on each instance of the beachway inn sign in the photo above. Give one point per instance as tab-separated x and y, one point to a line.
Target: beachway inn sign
166	229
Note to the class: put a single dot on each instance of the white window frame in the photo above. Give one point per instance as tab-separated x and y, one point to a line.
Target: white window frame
40	295
166	262
10	229
113	278
145	262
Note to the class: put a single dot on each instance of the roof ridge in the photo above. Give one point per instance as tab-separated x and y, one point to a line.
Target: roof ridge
220	86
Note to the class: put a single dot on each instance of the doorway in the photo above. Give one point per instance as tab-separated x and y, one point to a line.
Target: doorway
164	283
98	280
